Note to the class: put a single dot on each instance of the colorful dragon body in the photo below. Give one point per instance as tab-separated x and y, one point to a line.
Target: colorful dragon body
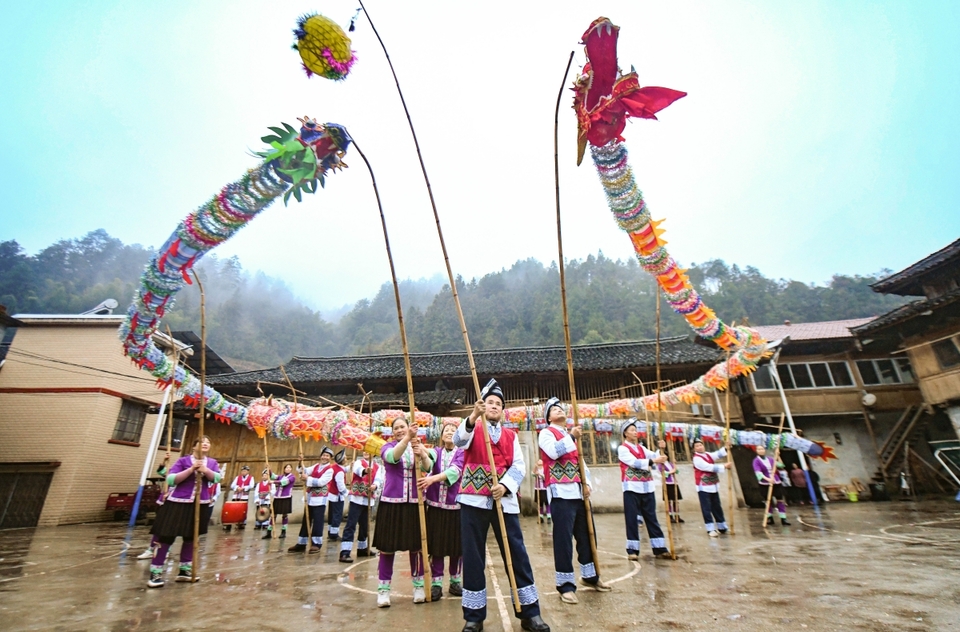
604	100
298	160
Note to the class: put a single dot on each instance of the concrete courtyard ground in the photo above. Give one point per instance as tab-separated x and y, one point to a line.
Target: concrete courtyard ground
863	566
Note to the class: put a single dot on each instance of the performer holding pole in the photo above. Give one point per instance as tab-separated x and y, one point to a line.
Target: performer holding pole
767	475
562	467
400	514
201	416
367	479
282	501
639	492
317	480
443	513
668	470
706	472
481	488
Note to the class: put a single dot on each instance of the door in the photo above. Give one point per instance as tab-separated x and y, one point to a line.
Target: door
22	495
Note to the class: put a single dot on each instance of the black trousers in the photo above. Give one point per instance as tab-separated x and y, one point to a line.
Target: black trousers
570	523
474	524
712	511
316	523
356	516
335	515
645	505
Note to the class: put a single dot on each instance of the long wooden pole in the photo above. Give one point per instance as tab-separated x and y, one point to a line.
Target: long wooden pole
773	471
508	558
663	435
202	414
726	437
673	464
566	321
424	551
166	458
303	472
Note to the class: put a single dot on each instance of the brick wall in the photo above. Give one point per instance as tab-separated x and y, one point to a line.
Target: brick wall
73	427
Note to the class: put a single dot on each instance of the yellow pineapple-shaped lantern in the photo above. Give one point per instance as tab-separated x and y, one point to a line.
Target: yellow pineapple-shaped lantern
323	47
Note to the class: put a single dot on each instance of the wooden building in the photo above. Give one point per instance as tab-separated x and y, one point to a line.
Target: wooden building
926	333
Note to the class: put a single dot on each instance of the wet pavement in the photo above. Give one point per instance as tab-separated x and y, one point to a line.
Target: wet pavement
855	566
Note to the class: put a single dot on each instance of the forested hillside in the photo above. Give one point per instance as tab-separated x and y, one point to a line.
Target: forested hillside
257	319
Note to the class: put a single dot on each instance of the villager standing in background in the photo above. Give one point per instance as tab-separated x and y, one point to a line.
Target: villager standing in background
669	470
282	501
367	480
540	487
337	493
241	487
318	479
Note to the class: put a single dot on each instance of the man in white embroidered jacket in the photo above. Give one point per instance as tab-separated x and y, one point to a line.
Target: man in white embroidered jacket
477	512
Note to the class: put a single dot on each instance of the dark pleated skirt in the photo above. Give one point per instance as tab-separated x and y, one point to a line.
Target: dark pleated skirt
398	527
673	492
282	506
176	520
443	532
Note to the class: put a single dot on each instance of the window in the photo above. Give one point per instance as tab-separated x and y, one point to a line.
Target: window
804	375
130	422
885	371
177	436
947	354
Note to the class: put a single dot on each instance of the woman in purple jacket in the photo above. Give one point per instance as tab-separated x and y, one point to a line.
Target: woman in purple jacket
282	501
443	513
176	517
398	519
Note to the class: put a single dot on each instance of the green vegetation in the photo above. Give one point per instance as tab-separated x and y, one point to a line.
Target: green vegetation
257	319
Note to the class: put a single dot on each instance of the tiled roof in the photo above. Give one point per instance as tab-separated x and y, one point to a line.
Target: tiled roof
613	355
824	330
902	281
380	400
906	312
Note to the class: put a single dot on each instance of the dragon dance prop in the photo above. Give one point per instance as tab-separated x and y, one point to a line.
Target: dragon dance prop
604	100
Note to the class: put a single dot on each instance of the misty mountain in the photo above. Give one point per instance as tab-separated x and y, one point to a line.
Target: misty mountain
257	320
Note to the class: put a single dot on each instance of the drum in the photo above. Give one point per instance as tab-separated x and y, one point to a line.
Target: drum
263	513
234	512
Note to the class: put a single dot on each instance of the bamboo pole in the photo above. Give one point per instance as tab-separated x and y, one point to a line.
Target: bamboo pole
369	479
166	458
463	325
726	438
303	471
202	414
773	472
566	323
424	551
663	435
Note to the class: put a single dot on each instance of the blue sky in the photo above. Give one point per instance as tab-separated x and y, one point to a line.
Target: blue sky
817	137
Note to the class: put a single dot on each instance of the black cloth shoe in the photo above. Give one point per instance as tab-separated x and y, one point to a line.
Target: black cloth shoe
534	624
679	519
283	533
226	527
345	557
241	526
473	626
297	548
436	592
267	536
455	590
363	552
784	522
332	537
768	522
